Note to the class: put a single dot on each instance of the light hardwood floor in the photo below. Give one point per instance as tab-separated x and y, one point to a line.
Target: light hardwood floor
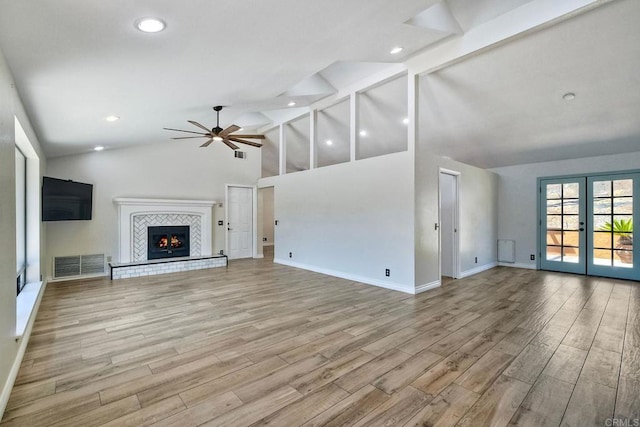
262	344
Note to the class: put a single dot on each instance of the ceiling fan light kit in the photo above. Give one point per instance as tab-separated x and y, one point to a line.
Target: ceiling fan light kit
218	134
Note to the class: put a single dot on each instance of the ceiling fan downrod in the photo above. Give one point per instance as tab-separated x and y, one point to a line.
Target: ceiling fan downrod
216	130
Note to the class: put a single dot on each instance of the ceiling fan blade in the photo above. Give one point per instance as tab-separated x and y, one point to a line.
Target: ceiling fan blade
230	129
189	137
230	144
249	136
206	144
242	141
199	125
188	131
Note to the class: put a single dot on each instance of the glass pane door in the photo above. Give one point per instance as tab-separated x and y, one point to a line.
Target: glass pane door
562	225
612	207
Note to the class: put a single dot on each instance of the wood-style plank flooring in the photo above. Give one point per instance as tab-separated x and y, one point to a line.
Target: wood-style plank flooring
265	344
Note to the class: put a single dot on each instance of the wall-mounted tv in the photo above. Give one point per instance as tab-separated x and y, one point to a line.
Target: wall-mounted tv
66	200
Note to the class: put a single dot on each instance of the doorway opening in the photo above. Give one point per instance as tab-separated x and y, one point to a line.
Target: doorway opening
266	222
448	213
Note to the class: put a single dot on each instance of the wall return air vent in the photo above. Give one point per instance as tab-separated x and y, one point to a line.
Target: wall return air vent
78	266
506	250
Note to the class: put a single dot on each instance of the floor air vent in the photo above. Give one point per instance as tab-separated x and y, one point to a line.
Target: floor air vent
78	265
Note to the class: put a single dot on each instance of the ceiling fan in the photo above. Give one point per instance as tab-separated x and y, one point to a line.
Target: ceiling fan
218	134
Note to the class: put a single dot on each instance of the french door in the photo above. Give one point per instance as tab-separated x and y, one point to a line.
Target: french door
586	225
563	219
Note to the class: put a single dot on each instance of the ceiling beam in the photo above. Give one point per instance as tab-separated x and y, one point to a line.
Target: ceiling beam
531	16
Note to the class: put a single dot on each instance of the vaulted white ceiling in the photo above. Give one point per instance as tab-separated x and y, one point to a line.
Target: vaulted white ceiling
77	61
505	106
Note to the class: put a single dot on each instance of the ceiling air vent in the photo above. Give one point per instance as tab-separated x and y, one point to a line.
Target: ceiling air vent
240	154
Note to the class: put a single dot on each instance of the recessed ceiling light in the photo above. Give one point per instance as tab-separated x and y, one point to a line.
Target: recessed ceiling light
98	148
363	133
329	142
396	50
150	25
112	118
292	104
405	120
569	96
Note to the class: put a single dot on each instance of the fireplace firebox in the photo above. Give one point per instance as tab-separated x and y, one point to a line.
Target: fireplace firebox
168	242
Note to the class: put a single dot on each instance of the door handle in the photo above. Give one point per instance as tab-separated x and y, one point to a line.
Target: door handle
581	229
229	228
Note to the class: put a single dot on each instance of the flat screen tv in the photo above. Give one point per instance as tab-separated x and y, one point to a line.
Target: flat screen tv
66	200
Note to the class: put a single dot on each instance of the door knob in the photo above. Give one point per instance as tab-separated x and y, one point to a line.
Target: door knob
581	229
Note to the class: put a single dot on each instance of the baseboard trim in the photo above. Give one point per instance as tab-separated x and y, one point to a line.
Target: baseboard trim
347	276
23	341
427	286
518	265
478	269
51	279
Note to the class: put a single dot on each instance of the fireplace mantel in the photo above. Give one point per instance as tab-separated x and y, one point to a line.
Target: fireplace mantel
135	213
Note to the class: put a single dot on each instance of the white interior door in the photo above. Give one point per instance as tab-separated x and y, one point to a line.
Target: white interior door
239	222
448	224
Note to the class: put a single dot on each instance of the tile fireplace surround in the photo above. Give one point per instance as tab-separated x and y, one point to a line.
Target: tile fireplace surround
135	215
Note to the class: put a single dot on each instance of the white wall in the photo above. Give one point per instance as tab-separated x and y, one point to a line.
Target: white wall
351	220
8	347
11	350
517	195
478	222
179	170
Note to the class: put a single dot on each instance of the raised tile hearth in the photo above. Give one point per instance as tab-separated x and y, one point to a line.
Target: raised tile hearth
163	266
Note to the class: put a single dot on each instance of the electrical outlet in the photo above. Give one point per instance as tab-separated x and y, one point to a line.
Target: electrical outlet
290	254
109	258
532	257
221	252
264	239
476	260
387	272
